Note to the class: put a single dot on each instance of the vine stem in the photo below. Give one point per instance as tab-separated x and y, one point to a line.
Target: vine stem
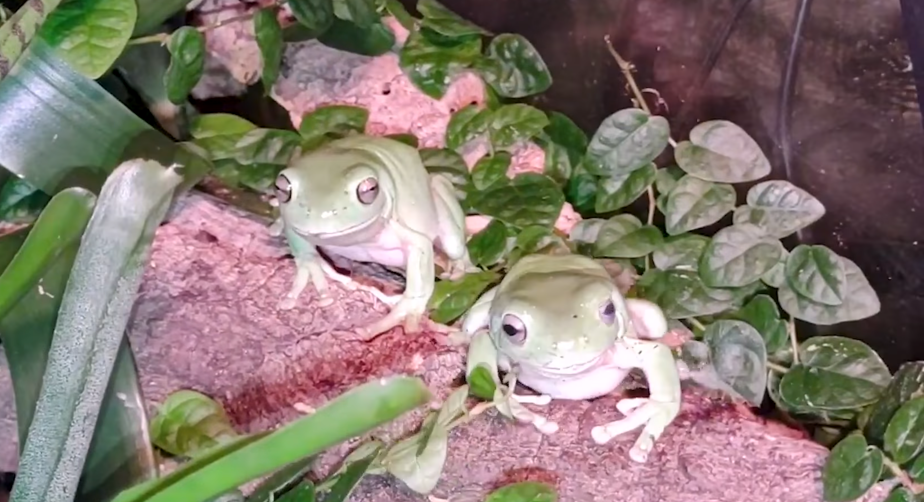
915	488
162	38
791	330
696	324
777	368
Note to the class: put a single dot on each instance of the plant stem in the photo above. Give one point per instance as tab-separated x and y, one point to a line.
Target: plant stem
164	37
696	324
915	488
777	368
791	330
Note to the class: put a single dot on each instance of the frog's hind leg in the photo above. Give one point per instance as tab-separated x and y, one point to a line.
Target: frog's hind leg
451	227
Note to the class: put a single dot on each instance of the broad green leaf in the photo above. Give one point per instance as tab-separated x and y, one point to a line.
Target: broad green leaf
697	358
810	388
739	357
20	202
851	469
846	356
860	300
626	140
514	67
624	236
581	192
563	131
451	299
446	22
779	208
231	464
762	313
737	256
904	437
816	273
901	494
775	277
528	199
447	162
188	423
90	328
488	246
557	163
219	124
352	473
360	12
187	62
667	178
586	230
89	35
418	460
916	470
516	122
461	130
315	15
524	491
722	152
693	203
619	190
480	383
682	294
490	170
334	120
397	10
681	252
453	407
303	492
268	34
266	146
907	383
431	66
372	41
281	480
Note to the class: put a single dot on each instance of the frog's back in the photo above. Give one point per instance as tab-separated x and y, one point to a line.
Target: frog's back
414	205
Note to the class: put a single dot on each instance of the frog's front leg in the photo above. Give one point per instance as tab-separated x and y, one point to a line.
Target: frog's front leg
656	411
451	220
412	306
482	352
309	265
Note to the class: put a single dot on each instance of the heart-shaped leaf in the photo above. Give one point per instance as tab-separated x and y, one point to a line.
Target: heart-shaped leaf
779	208
187	62
624	236
514	67
619	190
680	252
626	140
860	300
693	203
851	469
739	357
722	152
817	273
737	256
908	382
904	437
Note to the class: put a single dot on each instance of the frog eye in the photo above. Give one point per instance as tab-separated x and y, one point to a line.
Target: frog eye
514	328
608	313
367	190
283	189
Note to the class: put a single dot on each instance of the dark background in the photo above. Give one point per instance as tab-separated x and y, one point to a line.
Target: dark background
839	118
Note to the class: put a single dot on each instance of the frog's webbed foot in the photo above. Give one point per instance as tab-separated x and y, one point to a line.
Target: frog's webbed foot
458	268
511	405
407	311
655	416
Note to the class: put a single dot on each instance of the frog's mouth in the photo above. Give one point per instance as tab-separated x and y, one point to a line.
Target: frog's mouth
335	235
554	368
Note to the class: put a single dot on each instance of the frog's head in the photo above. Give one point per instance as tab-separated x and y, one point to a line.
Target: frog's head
333	192
558	321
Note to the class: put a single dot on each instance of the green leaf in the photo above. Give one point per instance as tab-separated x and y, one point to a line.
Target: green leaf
352	473
372	41
617	191
851	469
737	256
187	62
488	246
682	294
451	299
557	163
624	236
431	66
846	356
904	438
335	120
361	12
516	122
514	67
775	277
528	199
860	300
266	146
816	273
907	383
89	35
188	423
490	170
268	33
524	491
681	252
453	407
446	162
581	192
315	15
225	467
667	178
480	383
446	22
723	152
740	359
900	494
693	203
460	131
762	313
626	140
810	389
404	18
219	124
779	208
916	470
20	202
565	132
418	460
406	138
268	490
303	492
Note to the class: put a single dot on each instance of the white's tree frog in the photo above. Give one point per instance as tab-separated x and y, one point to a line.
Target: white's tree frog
560	324
371	199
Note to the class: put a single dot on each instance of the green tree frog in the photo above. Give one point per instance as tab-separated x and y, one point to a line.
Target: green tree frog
371	199
561	326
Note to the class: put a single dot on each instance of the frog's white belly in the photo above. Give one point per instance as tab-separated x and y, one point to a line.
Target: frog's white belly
385	248
589	384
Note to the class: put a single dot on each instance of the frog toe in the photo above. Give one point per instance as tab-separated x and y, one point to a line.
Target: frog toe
287	303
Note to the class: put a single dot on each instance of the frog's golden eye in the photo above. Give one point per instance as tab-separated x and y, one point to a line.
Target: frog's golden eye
514	328
367	191
608	313
283	189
